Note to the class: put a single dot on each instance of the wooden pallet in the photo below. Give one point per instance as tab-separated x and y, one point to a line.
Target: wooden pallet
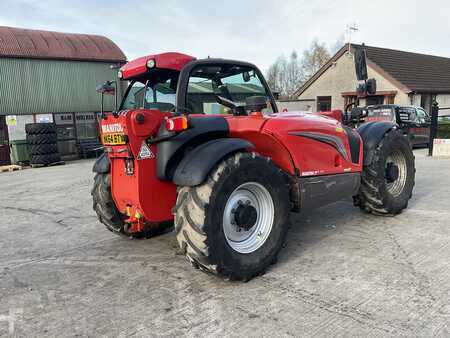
10	168
37	165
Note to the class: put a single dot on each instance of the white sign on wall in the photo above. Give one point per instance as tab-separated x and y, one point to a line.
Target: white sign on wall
64	118
82	118
44	118
11	120
441	147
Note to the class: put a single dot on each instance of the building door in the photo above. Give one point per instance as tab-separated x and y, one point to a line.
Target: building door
426	101
67	137
323	103
4	142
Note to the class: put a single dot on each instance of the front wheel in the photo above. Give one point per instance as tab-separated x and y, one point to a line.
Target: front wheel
387	183
235	223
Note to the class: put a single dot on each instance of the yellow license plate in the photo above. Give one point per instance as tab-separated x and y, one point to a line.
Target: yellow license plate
113	139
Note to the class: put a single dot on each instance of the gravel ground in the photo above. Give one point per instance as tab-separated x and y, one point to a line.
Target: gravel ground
342	273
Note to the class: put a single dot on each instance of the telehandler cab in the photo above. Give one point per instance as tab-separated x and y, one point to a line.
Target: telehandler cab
200	144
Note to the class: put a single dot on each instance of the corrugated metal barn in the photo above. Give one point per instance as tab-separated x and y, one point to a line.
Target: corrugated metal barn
51	77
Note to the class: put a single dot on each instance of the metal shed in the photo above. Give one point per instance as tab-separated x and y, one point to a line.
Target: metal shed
51	77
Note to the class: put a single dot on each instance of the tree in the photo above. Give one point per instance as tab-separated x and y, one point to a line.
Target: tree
286	76
313	58
283	76
294	74
275	74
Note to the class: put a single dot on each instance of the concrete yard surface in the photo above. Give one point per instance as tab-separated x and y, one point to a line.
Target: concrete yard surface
342	272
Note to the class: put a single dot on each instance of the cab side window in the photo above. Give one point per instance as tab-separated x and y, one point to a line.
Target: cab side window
232	82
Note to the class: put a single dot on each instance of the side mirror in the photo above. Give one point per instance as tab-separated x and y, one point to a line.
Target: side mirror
360	64
246	76
255	103
106	88
371	86
276	94
358	113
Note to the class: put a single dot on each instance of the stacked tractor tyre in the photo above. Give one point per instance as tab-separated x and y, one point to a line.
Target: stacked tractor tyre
42	143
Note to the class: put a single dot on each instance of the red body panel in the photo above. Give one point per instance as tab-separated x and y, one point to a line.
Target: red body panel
250	128
335	114
271	136
312	157
142	190
175	61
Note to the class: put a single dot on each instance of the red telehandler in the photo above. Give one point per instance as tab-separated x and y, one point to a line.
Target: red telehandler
200	144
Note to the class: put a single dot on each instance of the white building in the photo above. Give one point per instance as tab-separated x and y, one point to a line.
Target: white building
403	78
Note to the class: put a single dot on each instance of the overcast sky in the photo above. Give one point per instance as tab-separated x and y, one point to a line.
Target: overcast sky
257	31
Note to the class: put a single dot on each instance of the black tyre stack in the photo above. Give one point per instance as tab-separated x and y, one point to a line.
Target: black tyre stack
42	143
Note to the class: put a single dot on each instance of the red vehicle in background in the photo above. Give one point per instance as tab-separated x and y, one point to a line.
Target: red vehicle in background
200	144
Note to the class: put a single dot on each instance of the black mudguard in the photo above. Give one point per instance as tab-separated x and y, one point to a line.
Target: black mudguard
197	164
102	164
372	133
172	151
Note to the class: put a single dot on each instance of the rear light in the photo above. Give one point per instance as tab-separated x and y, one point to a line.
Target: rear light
177	123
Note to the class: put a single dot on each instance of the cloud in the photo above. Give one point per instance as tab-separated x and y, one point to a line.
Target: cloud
256	31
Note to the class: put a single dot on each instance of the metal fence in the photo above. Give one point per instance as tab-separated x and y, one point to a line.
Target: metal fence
440	125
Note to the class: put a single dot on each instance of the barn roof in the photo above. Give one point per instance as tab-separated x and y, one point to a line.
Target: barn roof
39	44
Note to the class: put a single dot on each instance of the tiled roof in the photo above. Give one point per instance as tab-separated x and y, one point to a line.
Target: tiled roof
417	72
28	43
411	72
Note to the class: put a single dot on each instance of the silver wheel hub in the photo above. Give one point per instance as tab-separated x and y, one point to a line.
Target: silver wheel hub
395	172
248	217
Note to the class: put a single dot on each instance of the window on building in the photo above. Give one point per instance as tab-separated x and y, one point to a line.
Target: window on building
349	100
389	99
374	100
323	103
86	124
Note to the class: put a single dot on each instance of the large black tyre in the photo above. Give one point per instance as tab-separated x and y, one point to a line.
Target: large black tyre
45	159
42	149
107	213
201	213
40	128
41	138
387	183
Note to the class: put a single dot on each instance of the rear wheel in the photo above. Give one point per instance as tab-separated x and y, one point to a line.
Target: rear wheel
109	215
235	223
387	183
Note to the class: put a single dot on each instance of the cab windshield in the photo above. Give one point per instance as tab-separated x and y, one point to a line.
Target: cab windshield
157	91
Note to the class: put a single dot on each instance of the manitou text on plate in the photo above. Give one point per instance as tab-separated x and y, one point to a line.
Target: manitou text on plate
112	128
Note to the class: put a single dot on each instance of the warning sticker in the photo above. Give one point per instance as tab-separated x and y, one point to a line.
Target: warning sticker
11	120
145	152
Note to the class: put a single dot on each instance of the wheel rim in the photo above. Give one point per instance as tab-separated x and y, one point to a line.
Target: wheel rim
247	238
396	160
